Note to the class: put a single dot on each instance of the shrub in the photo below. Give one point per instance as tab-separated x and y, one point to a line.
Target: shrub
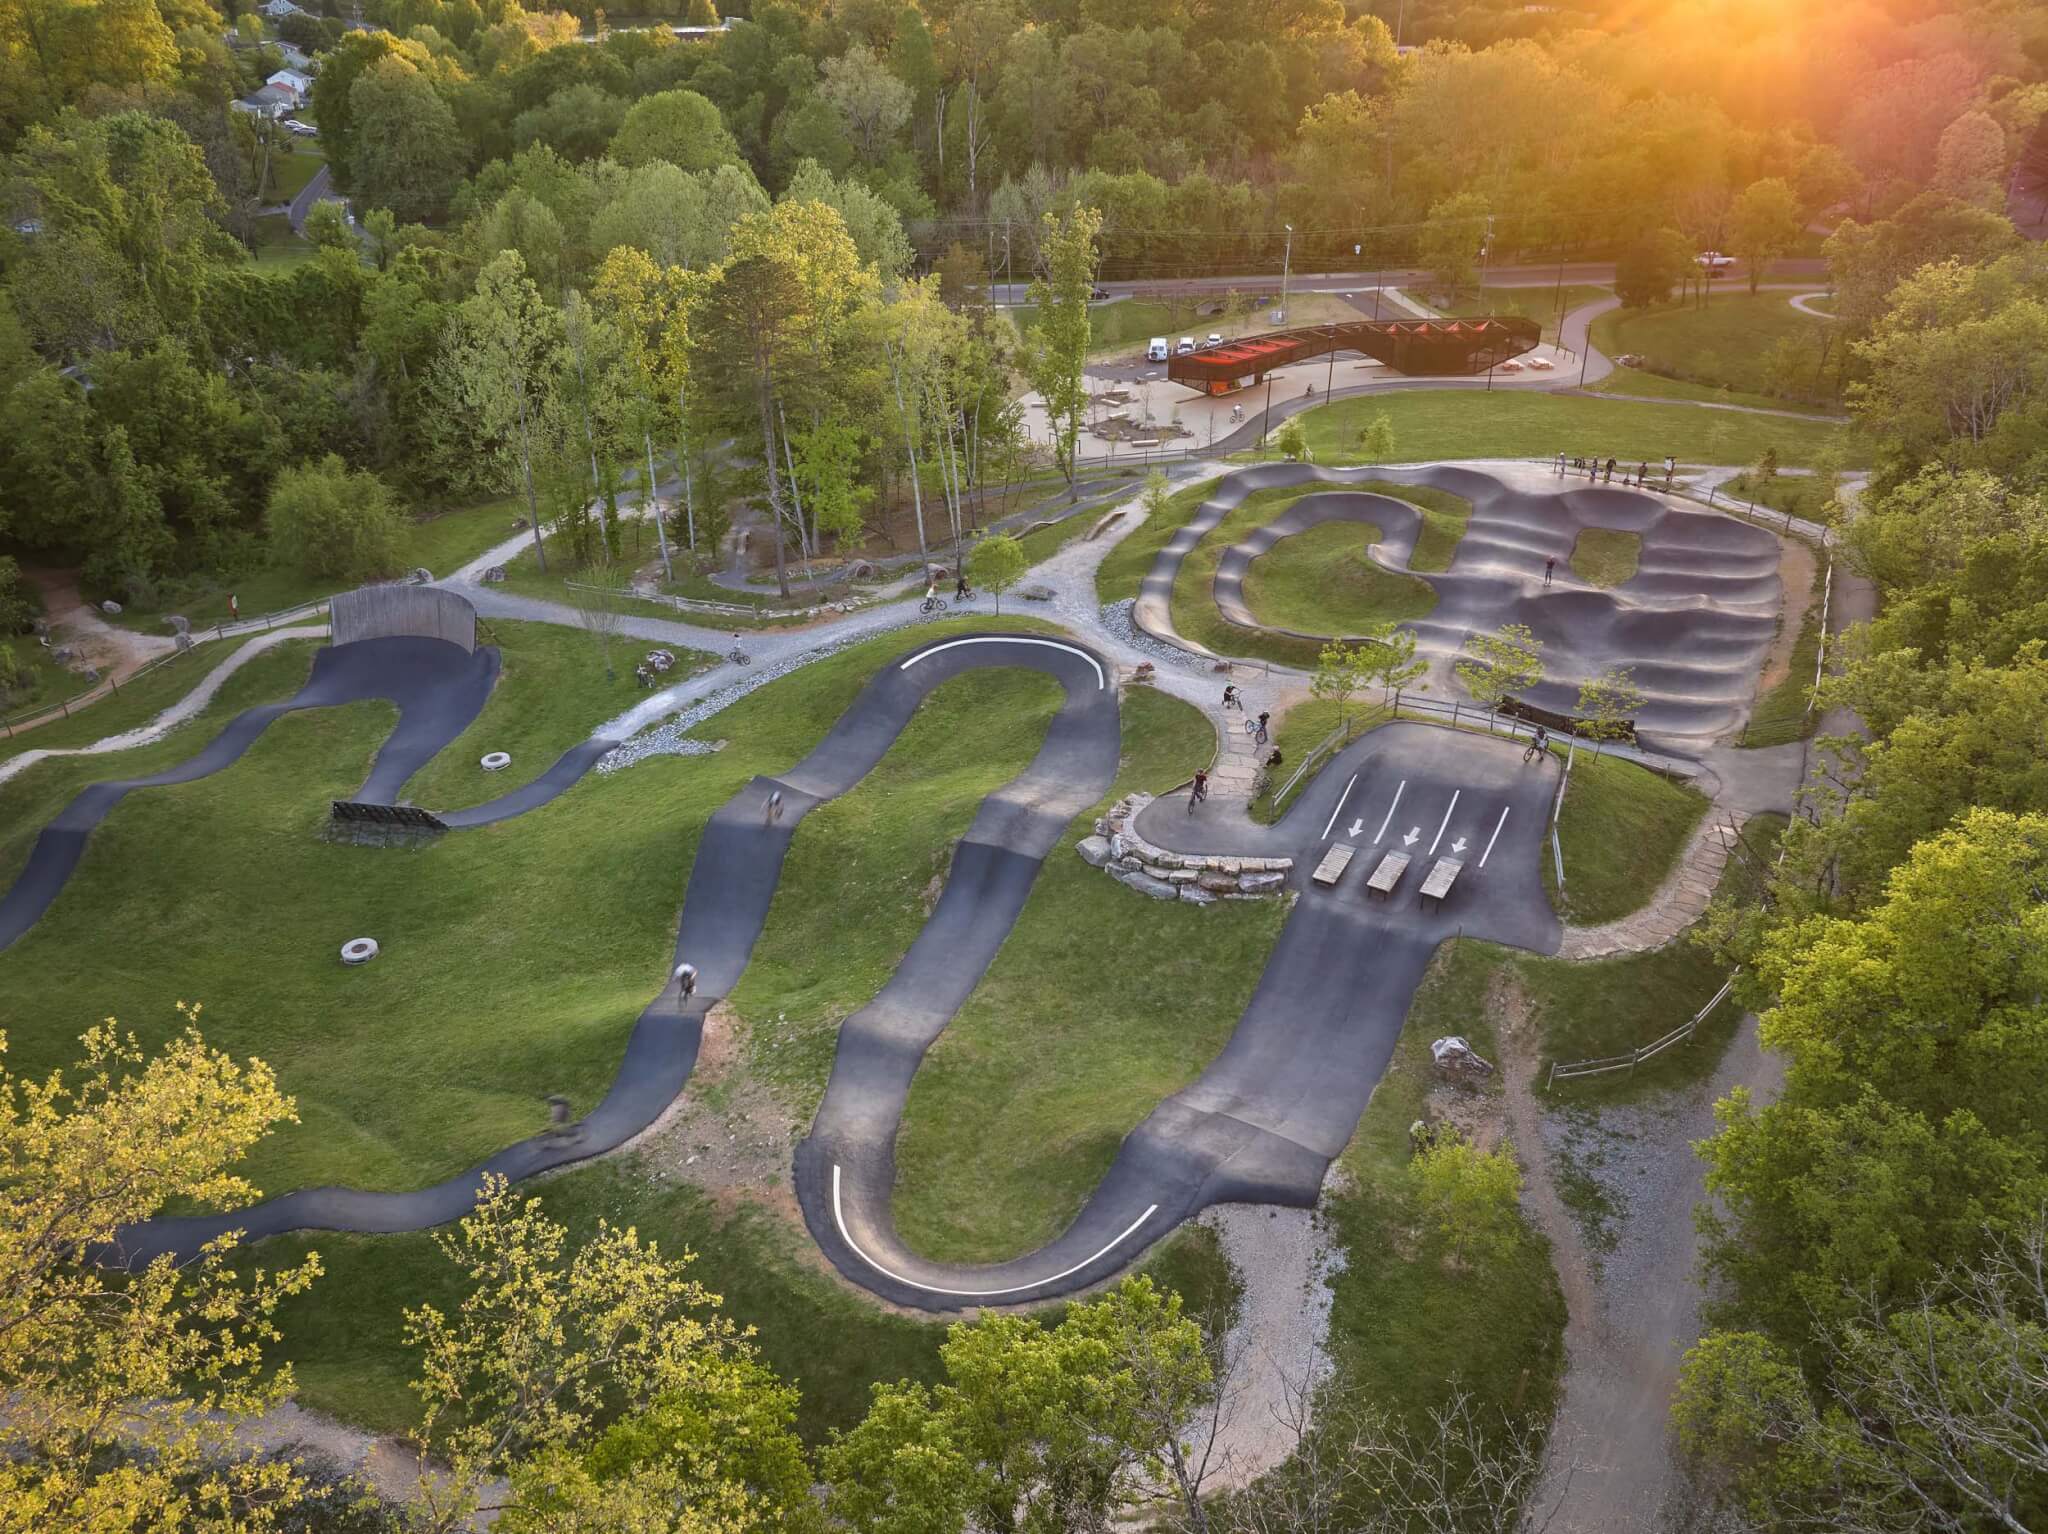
332	522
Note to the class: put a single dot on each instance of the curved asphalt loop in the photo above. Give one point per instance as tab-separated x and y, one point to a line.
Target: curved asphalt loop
1694	622
1260	1125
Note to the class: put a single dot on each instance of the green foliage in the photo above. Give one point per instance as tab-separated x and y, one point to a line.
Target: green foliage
1495	666
1763	225
1376	438
1650	267
1058	344
1290	440
1469	1198
1609	703
680	128
996	565
327	521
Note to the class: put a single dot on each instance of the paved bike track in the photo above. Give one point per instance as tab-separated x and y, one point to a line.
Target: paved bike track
1260	1125
1694	622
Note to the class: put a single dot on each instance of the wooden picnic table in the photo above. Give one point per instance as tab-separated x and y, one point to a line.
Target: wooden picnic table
1387	875
1440	880
1334	862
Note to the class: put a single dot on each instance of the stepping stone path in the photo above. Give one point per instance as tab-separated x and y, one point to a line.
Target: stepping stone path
1679	902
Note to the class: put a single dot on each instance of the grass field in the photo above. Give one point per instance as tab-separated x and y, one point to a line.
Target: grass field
136	703
48	683
1804	495
1470	423
1444	518
1539	303
290	173
1723	345
1194	602
1636	382
532	945
1322	581
1405	1324
1065	1046
441	543
1621	831
1603	556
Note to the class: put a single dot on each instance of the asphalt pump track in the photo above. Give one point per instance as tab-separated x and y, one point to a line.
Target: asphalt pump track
1694	622
1260	1125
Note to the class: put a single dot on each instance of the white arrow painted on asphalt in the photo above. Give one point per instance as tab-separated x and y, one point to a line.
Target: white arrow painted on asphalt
1357	828
1458	845
1414	836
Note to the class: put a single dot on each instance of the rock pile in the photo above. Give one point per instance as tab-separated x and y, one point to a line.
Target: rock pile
1119	851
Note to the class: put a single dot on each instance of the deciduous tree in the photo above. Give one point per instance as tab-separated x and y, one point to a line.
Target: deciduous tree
1496	666
997	564
1058	344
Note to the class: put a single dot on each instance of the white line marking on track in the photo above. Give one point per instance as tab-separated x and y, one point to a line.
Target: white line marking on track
1340	804
976	1294
1390	813
1447	820
1050	644
1495	837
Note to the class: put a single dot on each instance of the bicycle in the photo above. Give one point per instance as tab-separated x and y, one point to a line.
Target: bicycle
739	657
1196	796
931	607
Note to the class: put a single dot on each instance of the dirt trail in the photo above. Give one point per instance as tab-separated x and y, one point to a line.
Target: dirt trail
1635	1310
1795	579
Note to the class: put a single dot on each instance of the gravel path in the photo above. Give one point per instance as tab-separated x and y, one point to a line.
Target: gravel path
178	712
1631	1282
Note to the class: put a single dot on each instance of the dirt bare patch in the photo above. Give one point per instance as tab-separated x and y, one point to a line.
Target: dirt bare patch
1795	595
728	1133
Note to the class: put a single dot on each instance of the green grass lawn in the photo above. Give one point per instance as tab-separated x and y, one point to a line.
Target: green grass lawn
278	246
1621	831
1540	303
551	693
1444	517
1604	556
135	703
1781	714
1470	423
1723	345
442	542
1193	606
1405	1326
531	946
1635	382
1322	581
1020	1106
1125	565
1804	495
290	173
1594	1009
1300	730
48	683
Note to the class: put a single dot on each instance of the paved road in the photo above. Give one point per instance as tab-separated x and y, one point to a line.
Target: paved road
319	189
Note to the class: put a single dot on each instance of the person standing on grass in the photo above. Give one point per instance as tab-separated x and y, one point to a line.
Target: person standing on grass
1610	473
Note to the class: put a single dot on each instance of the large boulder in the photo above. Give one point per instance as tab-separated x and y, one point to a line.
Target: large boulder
1094	850
1145	884
1454	1057
1260	884
1196	895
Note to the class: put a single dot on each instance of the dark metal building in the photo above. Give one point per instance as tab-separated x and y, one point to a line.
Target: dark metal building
1413	347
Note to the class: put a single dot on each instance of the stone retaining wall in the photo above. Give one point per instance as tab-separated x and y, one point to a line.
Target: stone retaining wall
1119	851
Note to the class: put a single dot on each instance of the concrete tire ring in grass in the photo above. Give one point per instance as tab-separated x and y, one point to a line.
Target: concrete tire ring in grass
359	950
495	761
1694	622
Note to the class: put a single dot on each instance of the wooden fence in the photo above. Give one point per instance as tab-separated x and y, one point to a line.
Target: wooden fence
1566	1070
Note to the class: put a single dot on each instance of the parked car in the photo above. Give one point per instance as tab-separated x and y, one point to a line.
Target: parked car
1713	262
1215	338
1187	345
1097	295
303	130
1542	363
1156	349
1511	366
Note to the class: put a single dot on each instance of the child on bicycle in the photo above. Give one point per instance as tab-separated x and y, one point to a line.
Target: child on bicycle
1538	743
1199	789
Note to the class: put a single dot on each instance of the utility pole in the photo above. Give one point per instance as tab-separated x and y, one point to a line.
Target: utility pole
1330	379
1265	420
1485	251
1286	261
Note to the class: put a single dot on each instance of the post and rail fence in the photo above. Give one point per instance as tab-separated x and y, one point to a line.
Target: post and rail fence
1568	1070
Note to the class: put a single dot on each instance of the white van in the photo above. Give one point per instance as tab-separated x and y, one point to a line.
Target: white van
1155	349
1187	345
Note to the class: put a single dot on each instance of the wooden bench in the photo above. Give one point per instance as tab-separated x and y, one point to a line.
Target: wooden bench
1334	862
1440	880
1387	875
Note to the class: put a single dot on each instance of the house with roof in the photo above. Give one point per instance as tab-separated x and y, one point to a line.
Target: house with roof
271	101
277	10
292	80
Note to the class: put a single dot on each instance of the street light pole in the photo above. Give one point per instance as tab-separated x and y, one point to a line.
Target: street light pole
1330	379
1266	419
1286	261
